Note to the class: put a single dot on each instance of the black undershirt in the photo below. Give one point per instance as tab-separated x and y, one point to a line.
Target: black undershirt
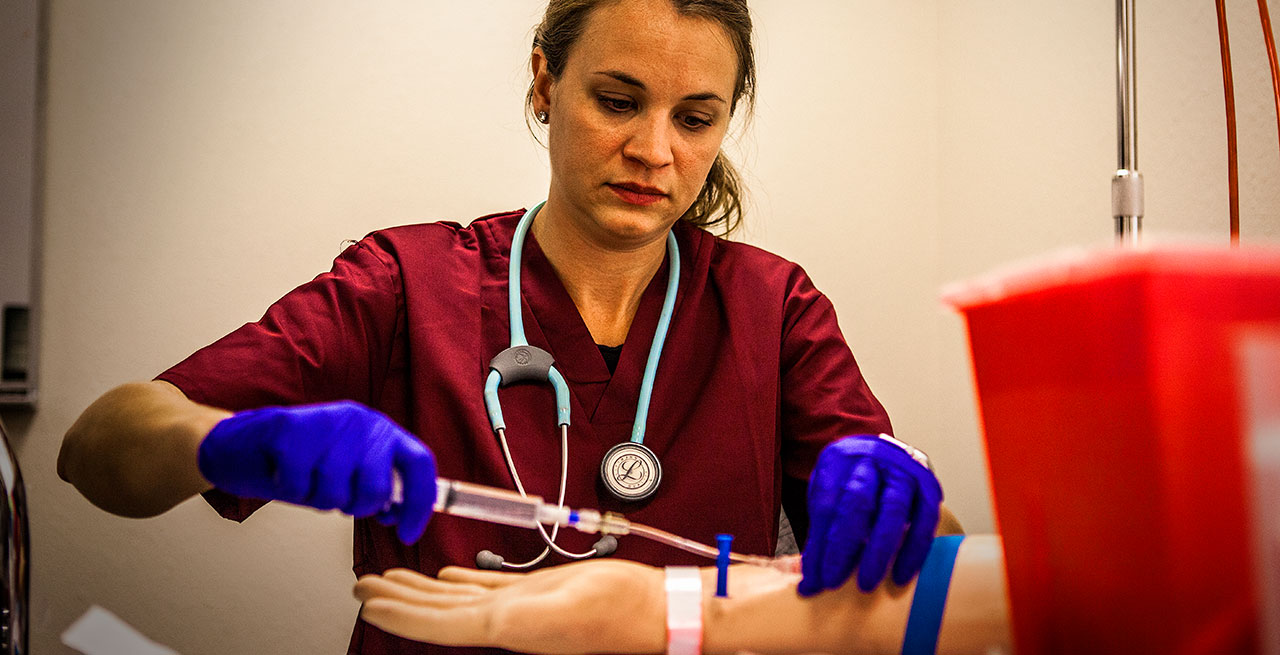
610	354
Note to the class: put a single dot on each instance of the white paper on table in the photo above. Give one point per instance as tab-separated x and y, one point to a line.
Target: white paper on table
100	632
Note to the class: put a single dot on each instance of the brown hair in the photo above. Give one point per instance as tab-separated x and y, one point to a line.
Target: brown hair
719	204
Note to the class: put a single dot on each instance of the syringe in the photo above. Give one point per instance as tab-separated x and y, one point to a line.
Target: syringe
510	508
494	505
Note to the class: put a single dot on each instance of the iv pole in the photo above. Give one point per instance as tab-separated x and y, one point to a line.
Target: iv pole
1126	184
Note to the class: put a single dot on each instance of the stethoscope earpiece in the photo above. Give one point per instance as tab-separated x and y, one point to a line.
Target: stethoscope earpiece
491	561
607	545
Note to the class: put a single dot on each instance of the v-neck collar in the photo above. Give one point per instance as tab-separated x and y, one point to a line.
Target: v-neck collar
552	322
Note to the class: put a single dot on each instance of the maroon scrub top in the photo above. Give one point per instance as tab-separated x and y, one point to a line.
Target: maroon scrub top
755	378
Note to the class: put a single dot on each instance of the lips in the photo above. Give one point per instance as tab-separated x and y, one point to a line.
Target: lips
639	188
636	194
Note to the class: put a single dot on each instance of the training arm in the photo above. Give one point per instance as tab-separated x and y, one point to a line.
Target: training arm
769	617
948	523
614	606
133	451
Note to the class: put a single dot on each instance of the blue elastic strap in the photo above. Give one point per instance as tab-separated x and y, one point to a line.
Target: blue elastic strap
931	597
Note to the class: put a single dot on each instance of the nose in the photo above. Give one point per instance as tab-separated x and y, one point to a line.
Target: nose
650	141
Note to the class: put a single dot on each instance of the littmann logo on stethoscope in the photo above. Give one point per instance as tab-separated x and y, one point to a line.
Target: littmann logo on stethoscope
631	471
523	356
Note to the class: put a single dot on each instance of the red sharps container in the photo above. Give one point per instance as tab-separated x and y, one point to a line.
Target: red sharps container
1108	388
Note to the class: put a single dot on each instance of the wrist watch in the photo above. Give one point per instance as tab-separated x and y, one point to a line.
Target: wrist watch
914	452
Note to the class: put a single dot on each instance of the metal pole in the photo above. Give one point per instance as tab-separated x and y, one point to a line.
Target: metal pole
1126	184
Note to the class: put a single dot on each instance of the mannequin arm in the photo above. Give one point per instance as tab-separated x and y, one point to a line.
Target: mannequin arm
603	606
614	606
948	523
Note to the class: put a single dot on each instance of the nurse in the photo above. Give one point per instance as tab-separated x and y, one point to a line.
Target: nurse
702	379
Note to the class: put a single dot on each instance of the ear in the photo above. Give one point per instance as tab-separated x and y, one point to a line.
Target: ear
542	81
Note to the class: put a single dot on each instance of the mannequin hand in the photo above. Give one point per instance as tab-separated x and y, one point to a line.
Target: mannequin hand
868	501
569	609
337	455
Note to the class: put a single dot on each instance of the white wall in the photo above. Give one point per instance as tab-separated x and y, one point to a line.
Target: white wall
204	158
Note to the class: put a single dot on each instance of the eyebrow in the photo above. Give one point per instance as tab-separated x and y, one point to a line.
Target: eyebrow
632	81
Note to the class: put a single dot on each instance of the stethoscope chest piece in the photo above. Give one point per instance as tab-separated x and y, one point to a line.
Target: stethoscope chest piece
631	471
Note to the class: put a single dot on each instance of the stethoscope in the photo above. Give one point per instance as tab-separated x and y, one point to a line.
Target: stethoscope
629	470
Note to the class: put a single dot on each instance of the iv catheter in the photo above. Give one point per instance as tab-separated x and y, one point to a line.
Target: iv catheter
510	508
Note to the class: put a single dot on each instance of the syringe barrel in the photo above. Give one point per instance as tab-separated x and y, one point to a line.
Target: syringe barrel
487	503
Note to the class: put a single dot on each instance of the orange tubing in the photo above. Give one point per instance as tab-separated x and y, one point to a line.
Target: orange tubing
1233	175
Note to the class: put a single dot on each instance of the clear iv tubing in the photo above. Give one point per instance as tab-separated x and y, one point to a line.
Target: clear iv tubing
510	508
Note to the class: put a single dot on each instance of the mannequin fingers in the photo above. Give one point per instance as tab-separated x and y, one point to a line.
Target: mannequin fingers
487	579
369	587
444	626
428	584
376	586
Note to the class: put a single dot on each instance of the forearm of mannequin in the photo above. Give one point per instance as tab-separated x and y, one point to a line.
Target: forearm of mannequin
133	451
769	617
947	522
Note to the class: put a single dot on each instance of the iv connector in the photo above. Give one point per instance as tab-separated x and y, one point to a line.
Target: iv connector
591	521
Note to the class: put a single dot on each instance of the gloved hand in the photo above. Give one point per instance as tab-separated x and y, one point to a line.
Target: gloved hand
868	501
337	455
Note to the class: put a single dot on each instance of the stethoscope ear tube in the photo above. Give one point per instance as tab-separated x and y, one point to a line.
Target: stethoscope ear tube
523	363
630	471
483	560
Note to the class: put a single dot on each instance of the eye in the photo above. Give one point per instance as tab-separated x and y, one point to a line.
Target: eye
616	104
695	122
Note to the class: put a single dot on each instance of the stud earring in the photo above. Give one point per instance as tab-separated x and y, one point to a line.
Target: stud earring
543	117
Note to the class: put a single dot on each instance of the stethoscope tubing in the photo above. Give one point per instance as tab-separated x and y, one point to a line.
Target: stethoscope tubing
659	339
550	540
554	377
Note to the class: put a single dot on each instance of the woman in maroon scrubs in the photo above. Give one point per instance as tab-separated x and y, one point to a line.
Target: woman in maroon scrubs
381	363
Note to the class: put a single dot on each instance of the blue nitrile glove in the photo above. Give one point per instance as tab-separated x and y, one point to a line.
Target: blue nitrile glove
868	501
337	455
